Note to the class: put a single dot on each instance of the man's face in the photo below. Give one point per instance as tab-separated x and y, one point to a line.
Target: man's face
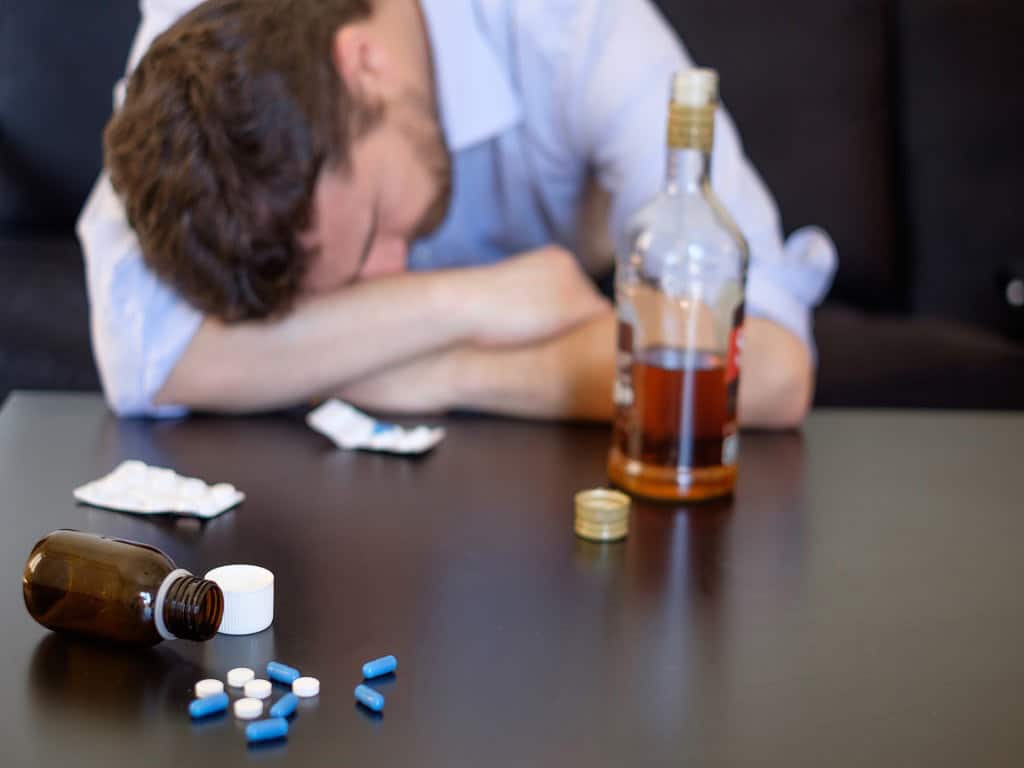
398	186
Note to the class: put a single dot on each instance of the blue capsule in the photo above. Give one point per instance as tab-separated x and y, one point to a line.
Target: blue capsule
266	730
211	705
282	673
369	698
285	706
382	666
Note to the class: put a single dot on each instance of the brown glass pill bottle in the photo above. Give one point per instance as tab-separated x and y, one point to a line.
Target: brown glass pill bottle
115	590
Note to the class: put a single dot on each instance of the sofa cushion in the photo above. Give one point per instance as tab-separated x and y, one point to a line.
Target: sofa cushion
58	65
963	156
914	362
44	317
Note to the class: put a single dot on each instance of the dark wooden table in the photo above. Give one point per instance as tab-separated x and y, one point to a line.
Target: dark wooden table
858	603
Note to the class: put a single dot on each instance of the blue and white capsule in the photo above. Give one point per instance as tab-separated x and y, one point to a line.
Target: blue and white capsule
266	730
211	705
282	673
385	665
285	706
369	698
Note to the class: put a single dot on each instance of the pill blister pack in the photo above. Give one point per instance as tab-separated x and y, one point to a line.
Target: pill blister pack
352	429
140	489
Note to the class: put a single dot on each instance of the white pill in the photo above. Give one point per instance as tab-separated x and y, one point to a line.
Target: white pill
238	677
207	688
306	687
258	689
248	709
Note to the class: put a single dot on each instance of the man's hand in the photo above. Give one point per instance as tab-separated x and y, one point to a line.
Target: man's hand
530	297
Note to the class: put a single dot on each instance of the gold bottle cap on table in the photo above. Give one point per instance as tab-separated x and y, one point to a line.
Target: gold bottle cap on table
602	514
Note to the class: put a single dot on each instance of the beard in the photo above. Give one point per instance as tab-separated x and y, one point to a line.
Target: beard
422	128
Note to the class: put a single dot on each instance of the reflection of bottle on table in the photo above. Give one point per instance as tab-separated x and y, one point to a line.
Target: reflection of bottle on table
679	292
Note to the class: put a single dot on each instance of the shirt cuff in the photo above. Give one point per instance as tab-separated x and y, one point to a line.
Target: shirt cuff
785	291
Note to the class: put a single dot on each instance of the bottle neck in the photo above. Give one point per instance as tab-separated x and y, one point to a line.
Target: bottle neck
688	170
691	133
188	608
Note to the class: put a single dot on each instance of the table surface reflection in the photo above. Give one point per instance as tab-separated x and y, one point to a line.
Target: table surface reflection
856	603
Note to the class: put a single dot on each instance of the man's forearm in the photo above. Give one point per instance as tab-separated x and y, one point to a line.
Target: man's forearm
332	341
570	377
321	344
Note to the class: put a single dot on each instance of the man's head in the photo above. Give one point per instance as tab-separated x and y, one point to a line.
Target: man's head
269	149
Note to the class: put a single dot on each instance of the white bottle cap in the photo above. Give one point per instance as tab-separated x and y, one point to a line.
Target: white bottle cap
306	687
258	689
695	87
248	709
238	677
248	598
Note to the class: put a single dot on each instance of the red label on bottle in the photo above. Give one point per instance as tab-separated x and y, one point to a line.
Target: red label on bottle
732	370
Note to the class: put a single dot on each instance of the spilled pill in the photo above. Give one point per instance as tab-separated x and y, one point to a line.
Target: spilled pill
248	709
238	677
378	667
306	687
369	698
285	706
258	689
282	673
211	705
207	688
266	730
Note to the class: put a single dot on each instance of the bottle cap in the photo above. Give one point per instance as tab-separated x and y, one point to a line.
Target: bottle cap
602	514
695	87
248	598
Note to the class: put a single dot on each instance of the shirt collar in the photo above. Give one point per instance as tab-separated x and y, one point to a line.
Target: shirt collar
474	95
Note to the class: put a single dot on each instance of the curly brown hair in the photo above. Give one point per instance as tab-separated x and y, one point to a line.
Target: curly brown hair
227	123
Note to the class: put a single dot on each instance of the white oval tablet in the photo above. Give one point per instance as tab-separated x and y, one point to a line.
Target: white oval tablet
207	688
248	709
306	687
258	689
239	676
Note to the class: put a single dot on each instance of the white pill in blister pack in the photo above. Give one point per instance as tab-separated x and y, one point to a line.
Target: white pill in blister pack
138	488
352	429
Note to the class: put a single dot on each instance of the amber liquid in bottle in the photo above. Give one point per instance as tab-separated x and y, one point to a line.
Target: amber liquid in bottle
670	444
114	590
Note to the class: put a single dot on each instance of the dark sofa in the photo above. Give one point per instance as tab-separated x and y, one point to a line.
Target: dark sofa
890	122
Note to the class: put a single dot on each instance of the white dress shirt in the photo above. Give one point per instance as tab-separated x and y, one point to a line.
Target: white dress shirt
535	97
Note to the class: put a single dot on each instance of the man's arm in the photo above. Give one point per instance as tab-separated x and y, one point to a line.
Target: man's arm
571	376
332	340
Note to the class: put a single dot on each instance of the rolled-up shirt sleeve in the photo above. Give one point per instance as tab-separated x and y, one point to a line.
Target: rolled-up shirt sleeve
140	327
616	91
